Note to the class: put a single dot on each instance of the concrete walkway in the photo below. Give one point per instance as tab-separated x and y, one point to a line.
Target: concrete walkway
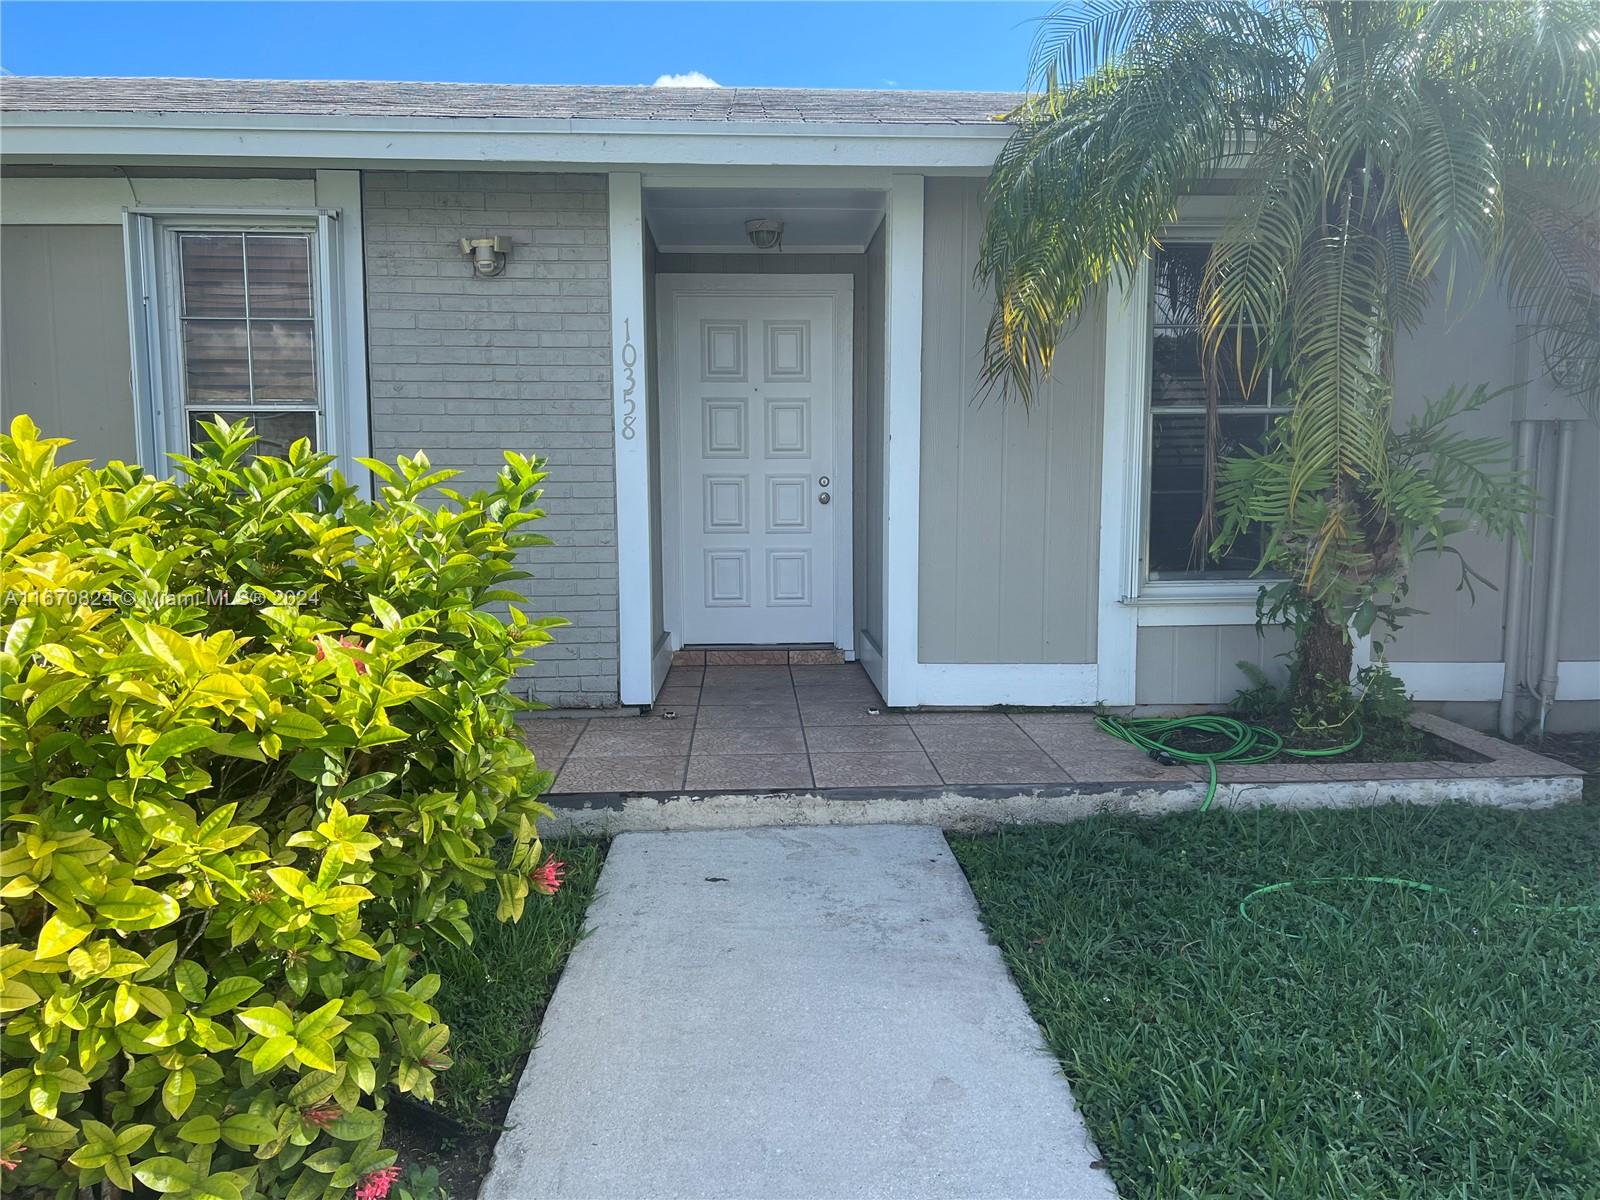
808	1013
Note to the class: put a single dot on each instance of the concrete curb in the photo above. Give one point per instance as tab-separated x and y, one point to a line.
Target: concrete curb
972	809
1506	776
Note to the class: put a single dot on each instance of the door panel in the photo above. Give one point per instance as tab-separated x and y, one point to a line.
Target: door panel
756	409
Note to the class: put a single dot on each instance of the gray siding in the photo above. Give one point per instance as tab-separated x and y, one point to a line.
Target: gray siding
1010	504
1469	347
64	335
464	368
1198	664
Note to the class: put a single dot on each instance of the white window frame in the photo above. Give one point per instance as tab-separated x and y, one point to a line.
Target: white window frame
338	296
1130	344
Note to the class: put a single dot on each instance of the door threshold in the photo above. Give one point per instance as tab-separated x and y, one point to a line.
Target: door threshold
758	656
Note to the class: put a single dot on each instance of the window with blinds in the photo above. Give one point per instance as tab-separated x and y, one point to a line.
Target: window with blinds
247	333
1177	467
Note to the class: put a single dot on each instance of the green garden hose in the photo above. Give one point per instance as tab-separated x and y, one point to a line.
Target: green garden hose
1414	885
1236	741
1232	741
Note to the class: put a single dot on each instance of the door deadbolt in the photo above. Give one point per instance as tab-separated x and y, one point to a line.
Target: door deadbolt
823	482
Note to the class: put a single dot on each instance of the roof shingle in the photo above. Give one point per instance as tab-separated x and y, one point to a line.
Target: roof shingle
478	100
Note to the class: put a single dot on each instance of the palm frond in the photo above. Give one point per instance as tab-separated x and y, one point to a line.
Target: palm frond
1084	186
1247	277
1449	184
1340	416
1549	267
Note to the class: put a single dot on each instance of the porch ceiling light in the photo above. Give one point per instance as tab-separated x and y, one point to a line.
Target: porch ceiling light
488	254
765	233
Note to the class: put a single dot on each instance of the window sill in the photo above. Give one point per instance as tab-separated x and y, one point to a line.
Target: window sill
1198	603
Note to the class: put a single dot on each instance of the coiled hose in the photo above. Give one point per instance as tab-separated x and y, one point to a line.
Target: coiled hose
1234	741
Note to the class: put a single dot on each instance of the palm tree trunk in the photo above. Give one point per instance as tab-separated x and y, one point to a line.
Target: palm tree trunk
1325	657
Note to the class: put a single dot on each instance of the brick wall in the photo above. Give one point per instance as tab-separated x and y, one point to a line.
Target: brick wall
463	368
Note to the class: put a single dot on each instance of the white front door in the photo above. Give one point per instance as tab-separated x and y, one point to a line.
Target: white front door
762	464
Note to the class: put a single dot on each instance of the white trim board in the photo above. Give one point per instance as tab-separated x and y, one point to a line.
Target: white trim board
1483	680
338	193
630	441
490	142
1127	376
870	655
1043	685
660	663
840	289
1198	610
902	438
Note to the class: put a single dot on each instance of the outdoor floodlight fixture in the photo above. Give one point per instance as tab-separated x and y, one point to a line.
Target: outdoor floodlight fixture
765	233
488	254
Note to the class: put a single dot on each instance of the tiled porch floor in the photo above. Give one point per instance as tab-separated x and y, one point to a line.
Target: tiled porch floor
748	728
769	728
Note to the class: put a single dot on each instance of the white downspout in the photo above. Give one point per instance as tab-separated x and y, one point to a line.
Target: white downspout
1550	658
1513	639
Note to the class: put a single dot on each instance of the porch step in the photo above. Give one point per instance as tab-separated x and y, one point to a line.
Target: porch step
757	656
980	808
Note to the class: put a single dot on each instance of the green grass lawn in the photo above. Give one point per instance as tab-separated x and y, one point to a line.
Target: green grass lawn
1404	1045
493	993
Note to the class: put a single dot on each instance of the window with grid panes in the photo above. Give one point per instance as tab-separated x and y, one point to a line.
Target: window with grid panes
1175	475
247	336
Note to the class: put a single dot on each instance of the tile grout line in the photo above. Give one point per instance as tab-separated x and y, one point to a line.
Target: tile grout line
805	738
694	731
917	737
565	758
1061	766
794	697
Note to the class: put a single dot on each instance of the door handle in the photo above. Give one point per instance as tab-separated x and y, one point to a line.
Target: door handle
823	498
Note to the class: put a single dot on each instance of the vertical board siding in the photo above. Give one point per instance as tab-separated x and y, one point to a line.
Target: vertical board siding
1476	348
465	368
1010	498
1468	346
1199	664
64	325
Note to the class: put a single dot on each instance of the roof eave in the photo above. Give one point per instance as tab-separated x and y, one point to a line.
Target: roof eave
272	138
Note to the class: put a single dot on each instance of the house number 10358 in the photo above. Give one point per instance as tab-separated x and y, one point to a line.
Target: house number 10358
630	357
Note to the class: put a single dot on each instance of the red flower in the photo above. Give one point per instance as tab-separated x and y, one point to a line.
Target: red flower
322	1115
547	876
349	642
375	1185
10	1159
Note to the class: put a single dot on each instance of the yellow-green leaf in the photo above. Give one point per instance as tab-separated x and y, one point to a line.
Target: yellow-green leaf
267	1021
248	1129
297	725
230	993
178	1092
272	1052
166	1174
201	1131
16	995
64	930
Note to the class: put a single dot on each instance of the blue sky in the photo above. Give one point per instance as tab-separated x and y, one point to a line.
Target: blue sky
876	45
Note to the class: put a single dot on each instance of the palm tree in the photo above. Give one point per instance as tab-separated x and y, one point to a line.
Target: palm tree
1378	152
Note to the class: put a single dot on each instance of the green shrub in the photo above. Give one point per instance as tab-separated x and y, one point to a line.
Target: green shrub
257	749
